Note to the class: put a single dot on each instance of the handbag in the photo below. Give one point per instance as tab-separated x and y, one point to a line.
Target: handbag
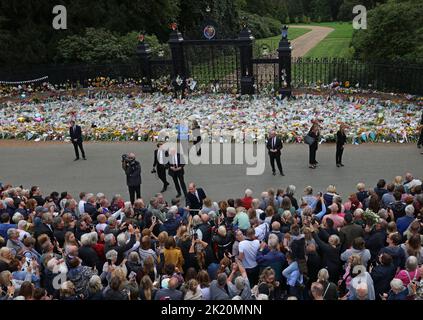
309	140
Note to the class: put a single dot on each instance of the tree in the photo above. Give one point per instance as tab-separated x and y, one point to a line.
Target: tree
320	8
394	31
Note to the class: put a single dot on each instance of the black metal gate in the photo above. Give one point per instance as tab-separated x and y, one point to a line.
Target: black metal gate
212	64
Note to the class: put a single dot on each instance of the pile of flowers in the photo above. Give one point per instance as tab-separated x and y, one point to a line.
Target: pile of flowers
113	115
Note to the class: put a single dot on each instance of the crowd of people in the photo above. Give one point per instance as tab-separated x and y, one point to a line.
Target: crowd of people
280	244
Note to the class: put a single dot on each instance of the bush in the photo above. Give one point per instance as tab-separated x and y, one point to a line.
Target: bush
101	45
262	27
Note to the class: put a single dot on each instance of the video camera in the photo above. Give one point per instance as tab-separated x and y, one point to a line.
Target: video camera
127	160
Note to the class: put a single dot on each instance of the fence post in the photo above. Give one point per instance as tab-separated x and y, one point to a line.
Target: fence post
245	40
144	54
176	41
284	55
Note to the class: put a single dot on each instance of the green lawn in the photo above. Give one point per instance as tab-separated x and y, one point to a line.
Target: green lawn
336	44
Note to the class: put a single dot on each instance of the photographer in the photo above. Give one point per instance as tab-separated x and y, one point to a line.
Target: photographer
132	170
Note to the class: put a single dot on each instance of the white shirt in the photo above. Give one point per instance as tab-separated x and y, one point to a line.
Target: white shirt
22	234
81	206
101	227
160	156
250	249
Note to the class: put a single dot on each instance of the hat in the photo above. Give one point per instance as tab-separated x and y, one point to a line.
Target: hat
40	209
230	212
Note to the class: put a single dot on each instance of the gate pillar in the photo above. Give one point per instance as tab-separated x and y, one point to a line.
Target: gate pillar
176	42
284	53
245	42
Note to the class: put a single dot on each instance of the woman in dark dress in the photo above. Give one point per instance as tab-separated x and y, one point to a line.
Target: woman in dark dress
341	139
315	134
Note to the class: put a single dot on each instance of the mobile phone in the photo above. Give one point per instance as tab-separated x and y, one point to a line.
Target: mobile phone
195	236
109	261
132	275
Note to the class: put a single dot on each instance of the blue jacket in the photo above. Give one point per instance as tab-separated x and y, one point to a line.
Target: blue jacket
171	226
4	227
403	223
398	296
271	258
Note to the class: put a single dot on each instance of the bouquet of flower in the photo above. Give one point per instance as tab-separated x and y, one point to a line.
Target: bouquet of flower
370	217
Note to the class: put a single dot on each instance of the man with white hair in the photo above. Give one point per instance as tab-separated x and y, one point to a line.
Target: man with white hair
398	291
405	221
172	222
13	242
270	256
86	253
111	244
223	241
410	182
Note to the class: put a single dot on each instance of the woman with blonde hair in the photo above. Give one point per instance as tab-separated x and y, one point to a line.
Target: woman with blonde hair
344	283
193	291
162	238
398	181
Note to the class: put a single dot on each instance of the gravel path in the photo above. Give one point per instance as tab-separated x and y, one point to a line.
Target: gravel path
303	44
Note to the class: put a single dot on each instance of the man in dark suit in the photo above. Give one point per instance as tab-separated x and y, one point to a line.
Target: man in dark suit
176	171
75	133
195	198
46	227
160	162
274	146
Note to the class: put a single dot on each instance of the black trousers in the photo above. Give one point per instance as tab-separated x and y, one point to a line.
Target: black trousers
420	142
312	155
134	190
161	172
253	275
75	146
339	153
274	157
179	182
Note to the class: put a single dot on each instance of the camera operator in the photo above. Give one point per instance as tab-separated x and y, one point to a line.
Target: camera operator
132	170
